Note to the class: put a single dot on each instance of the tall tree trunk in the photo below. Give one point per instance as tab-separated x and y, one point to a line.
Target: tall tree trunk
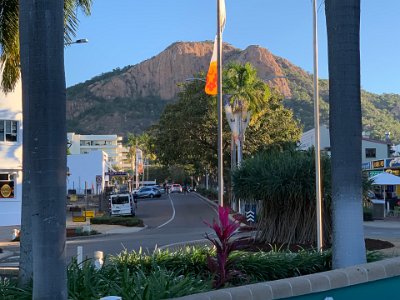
44	103
343	26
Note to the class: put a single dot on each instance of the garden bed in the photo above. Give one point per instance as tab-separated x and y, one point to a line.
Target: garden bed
249	244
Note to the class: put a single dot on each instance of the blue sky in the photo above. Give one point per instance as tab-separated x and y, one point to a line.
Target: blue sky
130	31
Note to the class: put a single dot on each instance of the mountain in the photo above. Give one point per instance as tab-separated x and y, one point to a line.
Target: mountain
132	98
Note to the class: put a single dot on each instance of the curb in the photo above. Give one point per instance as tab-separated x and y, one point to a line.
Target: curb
6	254
84	237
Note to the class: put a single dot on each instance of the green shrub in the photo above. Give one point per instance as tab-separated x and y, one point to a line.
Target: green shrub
367	214
284	184
166	274
183	261
117	220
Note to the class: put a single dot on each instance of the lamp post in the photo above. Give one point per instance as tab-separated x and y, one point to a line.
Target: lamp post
79	41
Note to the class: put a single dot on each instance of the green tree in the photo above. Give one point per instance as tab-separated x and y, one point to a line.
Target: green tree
343	26
45	97
247	90
187	131
283	184
9	35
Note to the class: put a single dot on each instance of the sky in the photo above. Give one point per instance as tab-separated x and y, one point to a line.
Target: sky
131	31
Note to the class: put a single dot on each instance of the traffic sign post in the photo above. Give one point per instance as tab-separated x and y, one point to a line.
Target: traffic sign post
250	211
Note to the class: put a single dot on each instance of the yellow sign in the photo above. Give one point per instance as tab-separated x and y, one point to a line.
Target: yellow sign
89	213
6	190
78	219
73	197
378	164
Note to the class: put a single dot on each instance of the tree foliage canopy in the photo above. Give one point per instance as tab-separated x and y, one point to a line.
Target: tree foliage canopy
187	130
9	35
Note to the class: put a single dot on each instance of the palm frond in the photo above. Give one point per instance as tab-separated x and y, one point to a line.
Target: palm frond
9	43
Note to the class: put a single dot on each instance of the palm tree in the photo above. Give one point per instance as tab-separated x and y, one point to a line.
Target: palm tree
44	105
10	60
246	89
247	95
9	35
343	26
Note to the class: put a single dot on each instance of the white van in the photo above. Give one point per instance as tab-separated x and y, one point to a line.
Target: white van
122	205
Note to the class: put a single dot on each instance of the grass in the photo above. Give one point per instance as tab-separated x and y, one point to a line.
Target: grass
118	220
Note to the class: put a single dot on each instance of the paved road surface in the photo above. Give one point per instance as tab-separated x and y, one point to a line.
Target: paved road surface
178	218
173	218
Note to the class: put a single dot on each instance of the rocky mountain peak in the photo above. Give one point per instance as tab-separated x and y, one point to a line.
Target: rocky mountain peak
159	75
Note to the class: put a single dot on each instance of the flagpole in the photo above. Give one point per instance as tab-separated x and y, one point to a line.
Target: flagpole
320	237
219	104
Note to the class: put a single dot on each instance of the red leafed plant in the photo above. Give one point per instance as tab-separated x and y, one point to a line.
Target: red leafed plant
221	265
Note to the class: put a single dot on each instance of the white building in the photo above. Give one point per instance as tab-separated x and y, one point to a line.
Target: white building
125	159
11	157
87	172
110	144
370	149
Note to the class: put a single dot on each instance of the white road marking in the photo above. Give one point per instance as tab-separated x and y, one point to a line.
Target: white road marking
173	213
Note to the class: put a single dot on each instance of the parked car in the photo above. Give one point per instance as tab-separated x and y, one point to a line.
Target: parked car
161	188
176	188
122	205
148	192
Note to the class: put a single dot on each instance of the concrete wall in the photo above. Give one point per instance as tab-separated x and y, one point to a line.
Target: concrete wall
323	285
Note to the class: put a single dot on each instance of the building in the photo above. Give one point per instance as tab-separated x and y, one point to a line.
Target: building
11	157
110	144
370	149
87	172
126	163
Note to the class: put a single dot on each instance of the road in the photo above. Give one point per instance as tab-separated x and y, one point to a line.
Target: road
173	218
383	233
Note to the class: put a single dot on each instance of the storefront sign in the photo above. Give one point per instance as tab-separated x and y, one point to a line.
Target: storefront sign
378	164
393	162
116	173
366	166
7	189
373	173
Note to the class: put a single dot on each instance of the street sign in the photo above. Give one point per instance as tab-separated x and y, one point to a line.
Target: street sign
116	173
250	211
99	179
250	216
78	219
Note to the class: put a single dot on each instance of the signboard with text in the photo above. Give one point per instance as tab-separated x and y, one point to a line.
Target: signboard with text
116	173
7	189
377	164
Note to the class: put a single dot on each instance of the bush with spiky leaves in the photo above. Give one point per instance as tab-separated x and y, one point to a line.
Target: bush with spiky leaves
284	183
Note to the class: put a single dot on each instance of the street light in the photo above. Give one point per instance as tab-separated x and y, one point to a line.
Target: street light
195	78
80	41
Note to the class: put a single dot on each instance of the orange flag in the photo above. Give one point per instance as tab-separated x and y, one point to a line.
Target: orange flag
212	75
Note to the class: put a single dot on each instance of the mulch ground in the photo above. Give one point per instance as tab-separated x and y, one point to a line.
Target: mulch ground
249	244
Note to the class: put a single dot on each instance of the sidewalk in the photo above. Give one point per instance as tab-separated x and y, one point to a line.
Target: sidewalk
7	231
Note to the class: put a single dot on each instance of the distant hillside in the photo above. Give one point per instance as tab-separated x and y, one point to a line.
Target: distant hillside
132	98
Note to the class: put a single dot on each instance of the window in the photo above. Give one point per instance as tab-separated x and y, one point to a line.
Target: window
120	200
7	186
370	152
8	131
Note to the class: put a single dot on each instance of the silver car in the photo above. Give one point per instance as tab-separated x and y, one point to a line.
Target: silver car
148	192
